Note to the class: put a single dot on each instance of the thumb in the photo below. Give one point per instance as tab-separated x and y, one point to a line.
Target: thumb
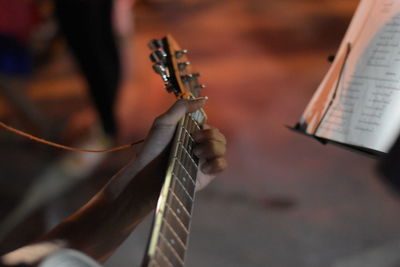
164	126
178	110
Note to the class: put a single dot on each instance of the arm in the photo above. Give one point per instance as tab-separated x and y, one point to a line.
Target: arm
101	225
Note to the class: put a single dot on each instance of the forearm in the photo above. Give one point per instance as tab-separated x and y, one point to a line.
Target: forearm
100	226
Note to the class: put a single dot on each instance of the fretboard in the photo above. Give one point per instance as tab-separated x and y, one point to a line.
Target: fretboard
171	228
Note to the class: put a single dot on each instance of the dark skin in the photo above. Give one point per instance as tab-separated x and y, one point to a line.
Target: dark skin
100	226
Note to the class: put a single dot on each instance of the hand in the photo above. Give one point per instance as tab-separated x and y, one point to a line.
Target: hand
210	147
130	195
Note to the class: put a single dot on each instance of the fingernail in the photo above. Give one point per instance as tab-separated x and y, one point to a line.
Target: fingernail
200	98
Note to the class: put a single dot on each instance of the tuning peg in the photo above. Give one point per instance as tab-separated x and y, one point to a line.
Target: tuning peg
162	71
158	56
201	86
187	77
182	66
180	53
159	68
170	87
155	44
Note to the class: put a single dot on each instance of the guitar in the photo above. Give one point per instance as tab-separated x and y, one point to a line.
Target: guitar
171	226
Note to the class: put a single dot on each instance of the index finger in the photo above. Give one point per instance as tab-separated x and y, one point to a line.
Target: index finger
179	109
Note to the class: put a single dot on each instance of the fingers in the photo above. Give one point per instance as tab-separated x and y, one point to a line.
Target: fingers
210	149
163	129
178	110
209	133
214	166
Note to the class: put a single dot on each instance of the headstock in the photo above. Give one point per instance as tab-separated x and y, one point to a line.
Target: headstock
172	64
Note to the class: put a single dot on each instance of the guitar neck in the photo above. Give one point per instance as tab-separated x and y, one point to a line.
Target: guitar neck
171	227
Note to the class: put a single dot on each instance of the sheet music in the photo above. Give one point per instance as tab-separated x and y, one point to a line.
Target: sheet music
366	106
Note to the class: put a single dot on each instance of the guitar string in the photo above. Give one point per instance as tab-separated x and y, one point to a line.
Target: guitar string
179	229
164	256
182	168
184	180
180	222
187	149
64	147
182	159
173	213
181	204
180	259
183	187
174	240
186	122
174	233
189	125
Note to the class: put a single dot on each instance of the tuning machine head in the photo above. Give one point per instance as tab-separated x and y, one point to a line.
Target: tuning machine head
180	53
182	66
163	71
158	56
171	88
155	44
187	78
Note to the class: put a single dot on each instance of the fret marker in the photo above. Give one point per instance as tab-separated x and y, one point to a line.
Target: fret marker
178	211
172	241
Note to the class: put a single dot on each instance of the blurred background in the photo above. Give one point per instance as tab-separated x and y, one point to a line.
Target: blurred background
285	200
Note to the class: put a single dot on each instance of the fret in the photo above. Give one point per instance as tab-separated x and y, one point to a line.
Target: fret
183	142
183	218
177	205
193	125
196	117
189	155
189	135
161	259
181	168
185	166
186	160
183	156
179	136
182	195
188	129
178	183
174	219
187	140
178	227
175	242
169	251
181	236
187	183
181	172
